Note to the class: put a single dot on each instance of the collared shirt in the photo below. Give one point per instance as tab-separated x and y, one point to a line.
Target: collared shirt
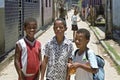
57	58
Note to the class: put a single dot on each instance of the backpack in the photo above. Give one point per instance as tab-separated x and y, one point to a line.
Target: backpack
100	75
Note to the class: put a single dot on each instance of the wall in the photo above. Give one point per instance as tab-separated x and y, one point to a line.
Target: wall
116	13
48	11
11	24
2	19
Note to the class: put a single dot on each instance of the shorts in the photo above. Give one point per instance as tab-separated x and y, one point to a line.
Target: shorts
74	27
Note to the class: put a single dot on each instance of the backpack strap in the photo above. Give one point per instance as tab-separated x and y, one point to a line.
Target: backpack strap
76	52
86	53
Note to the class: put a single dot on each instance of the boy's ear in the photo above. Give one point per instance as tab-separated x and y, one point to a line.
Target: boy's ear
65	28
88	41
24	28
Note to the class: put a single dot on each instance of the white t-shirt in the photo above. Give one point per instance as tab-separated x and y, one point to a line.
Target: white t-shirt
81	74
74	19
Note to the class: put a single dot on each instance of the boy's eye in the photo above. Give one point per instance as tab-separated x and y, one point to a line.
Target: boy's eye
79	40
60	27
31	27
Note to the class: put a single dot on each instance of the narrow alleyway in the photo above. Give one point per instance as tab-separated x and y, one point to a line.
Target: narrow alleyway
9	72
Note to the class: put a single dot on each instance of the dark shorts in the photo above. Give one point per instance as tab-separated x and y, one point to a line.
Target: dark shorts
74	27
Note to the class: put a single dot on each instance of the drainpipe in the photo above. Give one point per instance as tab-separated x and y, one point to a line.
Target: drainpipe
53	11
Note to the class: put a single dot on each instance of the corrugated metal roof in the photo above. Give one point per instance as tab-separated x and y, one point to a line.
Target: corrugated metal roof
95	2
91	2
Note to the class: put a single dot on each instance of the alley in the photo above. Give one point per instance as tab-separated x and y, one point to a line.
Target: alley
9	72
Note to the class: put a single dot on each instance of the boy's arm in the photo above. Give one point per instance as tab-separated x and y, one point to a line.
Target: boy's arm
66	14
44	64
40	59
17	62
78	19
86	67
69	64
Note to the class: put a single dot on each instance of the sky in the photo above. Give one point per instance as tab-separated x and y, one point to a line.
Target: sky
1	3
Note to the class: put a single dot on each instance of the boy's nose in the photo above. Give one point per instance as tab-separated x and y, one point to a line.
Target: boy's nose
77	41
32	29
58	28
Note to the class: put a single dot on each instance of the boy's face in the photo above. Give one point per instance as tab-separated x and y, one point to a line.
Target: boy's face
59	28
31	29
81	41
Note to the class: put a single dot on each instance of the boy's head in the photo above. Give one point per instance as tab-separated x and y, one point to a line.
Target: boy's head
82	38
28	20
30	26
62	21
75	12
59	26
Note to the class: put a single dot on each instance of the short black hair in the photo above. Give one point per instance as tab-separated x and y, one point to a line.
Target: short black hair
28	20
60	19
85	32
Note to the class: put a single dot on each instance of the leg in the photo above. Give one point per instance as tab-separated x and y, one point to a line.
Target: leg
74	33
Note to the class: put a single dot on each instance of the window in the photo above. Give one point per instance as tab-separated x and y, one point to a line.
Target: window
49	3
46	3
35	1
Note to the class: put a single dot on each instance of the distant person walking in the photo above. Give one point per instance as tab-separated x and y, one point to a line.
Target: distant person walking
57	54
28	53
74	20
63	13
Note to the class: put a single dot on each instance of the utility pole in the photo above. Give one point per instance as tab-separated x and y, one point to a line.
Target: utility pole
92	13
54	10
108	31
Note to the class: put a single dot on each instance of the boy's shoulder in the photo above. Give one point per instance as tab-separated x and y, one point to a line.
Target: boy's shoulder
90	51
20	41
38	41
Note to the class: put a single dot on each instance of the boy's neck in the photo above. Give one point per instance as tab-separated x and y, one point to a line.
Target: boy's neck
30	39
82	50
59	40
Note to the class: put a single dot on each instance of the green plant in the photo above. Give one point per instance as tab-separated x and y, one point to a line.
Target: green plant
95	30
118	69
113	51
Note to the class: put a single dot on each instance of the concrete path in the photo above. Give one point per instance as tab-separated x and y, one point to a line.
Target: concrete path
9	72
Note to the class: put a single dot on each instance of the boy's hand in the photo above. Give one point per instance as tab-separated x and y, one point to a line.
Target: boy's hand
69	65
78	20
76	64
87	63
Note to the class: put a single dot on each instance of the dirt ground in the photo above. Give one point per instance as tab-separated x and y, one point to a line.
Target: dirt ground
110	67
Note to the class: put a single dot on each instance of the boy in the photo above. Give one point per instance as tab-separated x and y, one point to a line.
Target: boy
84	67
57	54
74	24
28	53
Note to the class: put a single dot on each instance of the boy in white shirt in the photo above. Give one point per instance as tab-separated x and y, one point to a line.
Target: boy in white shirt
74	24
84	67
